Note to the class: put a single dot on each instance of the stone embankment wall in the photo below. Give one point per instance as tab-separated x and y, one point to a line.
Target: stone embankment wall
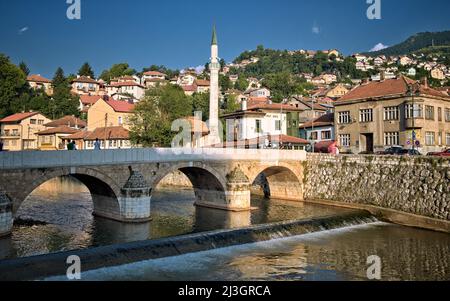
416	185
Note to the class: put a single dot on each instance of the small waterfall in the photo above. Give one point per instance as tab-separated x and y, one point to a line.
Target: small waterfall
40	267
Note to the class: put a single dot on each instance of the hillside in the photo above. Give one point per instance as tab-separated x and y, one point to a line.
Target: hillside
416	43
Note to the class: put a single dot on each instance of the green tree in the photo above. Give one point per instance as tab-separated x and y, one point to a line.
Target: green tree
117	70
231	105
225	83
24	68
154	114
62	102
241	84
86	70
12	85
200	102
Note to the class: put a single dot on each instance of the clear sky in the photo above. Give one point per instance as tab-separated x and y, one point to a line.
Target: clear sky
177	33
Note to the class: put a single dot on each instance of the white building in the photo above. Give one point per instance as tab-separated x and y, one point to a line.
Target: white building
123	90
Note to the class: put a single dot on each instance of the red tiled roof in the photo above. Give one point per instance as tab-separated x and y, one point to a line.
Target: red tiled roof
154	73
273	106
80	135
70	121
390	87
121	106
191	88
18	117
84	79
58	130
202	83
38	78
89	99
325	120
116	132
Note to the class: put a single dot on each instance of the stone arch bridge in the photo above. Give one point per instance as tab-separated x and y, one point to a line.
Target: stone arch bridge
121	181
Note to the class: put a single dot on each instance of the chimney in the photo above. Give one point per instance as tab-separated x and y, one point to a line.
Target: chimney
244	105
424	81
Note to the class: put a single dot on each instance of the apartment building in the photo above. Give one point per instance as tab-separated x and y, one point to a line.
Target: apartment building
401	111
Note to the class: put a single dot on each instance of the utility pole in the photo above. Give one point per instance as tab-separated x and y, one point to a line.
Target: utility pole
106	125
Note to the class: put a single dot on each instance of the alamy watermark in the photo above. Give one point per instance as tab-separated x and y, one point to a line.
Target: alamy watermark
374	10
74	10
74	270
374	269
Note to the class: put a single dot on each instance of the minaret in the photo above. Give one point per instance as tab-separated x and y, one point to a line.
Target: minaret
214	68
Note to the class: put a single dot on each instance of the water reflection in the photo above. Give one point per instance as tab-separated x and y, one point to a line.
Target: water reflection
338	255
60	212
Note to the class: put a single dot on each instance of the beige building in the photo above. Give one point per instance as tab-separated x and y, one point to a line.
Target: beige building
36	81
84	85
110	113
337	92
438	74
377	115
18	131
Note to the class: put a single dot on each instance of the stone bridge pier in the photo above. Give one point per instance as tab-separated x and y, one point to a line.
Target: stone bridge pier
121	182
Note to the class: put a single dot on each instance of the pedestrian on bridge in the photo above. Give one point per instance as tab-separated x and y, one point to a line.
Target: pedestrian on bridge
1	145
97	145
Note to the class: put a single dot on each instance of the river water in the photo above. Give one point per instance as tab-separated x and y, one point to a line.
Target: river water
58	217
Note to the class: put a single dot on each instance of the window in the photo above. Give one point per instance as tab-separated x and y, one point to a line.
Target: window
440	138
429	138
429	112
33	121
326	135
6	133
344	117
447	115
344	140
15	132
392	138
277	125
120	120
439	114
391	113
366	115
40	122
258	126
447	139
313	136
411	111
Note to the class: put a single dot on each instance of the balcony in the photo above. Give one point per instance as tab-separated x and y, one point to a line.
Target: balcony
9	135
414	123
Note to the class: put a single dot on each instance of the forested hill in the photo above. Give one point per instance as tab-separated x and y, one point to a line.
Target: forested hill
415	43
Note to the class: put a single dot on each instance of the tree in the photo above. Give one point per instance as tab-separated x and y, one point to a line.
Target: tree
154	114
24	68
200	103
225	82
86	70
231	104
12	85
241	84
117	70
62	102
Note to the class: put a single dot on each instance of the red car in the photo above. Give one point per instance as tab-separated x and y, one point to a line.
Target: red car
445	153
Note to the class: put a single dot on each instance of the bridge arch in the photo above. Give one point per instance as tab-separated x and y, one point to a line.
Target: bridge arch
104	191
280	181
209	185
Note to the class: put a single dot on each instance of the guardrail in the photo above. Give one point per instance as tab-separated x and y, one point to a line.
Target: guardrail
44	159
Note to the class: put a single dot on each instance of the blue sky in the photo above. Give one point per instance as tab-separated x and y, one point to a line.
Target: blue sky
177	33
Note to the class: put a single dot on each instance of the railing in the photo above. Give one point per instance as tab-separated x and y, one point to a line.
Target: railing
43	159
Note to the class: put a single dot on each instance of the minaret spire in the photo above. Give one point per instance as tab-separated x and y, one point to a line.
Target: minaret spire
214	36
214	68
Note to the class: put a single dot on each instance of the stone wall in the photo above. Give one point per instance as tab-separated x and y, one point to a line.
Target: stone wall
175	179
416	185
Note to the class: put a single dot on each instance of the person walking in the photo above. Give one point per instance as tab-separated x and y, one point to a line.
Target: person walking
97	145
70	146
1	145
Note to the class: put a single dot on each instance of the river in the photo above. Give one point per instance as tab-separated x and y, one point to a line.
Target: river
58	217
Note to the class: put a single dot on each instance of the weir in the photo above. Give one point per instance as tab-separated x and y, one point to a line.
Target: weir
41	267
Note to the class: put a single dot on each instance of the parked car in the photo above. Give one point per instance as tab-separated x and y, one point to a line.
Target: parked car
400	151
445	153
